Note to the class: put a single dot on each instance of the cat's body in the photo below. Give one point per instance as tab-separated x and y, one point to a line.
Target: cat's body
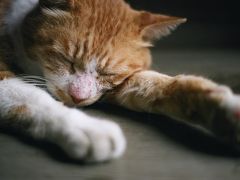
91	49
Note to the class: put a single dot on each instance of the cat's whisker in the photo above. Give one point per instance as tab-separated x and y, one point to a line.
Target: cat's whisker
33	77
35	80
39	82
36	84
30	81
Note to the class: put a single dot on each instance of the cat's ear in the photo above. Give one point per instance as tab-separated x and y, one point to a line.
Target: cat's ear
155	26
57	4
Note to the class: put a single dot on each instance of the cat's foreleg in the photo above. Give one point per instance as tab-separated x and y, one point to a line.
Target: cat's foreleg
35	112
188	98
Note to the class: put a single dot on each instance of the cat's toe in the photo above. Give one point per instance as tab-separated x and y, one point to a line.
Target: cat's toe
106	143
232	107
116	139
98	141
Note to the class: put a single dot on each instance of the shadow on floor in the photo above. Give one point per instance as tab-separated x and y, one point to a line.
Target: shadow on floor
181	133
52	150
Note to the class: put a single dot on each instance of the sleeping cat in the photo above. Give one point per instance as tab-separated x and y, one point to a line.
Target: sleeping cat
85	50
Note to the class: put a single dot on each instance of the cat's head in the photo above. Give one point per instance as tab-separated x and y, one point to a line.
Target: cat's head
88	47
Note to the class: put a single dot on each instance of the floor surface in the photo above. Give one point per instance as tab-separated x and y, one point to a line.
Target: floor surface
158	148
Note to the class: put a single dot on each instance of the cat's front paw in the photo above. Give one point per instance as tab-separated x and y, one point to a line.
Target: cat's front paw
91	140
232	115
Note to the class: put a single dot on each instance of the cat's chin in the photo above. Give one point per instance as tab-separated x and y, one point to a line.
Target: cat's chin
68	101
83	103
89	102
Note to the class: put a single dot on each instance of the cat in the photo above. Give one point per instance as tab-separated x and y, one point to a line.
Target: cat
82	51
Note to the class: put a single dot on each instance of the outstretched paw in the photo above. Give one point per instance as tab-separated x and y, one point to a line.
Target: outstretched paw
92	140
232	107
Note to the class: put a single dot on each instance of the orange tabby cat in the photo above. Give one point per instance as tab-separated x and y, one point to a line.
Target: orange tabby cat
84	50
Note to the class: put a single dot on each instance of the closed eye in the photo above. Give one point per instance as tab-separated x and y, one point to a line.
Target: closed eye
65	59
60	57
67	62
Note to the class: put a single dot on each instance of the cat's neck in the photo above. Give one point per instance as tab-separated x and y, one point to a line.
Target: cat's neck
14	19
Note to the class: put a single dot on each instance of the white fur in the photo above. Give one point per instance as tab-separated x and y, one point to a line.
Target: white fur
77	133
92	67
230	104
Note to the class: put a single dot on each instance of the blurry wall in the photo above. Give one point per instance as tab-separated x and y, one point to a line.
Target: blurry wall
211	24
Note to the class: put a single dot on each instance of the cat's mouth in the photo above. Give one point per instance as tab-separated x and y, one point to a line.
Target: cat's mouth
87	102
81	91
72	101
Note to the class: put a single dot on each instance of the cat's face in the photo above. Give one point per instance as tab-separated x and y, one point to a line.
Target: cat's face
88	47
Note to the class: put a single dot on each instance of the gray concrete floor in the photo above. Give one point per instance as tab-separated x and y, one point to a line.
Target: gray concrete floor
158	148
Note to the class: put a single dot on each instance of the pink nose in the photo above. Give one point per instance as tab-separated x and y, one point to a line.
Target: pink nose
82	88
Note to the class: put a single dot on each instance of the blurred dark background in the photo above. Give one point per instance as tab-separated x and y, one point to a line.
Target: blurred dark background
211	24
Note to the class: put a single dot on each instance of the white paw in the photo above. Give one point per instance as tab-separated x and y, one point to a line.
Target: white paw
232	106
91	140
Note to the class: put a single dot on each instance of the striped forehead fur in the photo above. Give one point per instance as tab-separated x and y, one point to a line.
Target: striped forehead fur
100	37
